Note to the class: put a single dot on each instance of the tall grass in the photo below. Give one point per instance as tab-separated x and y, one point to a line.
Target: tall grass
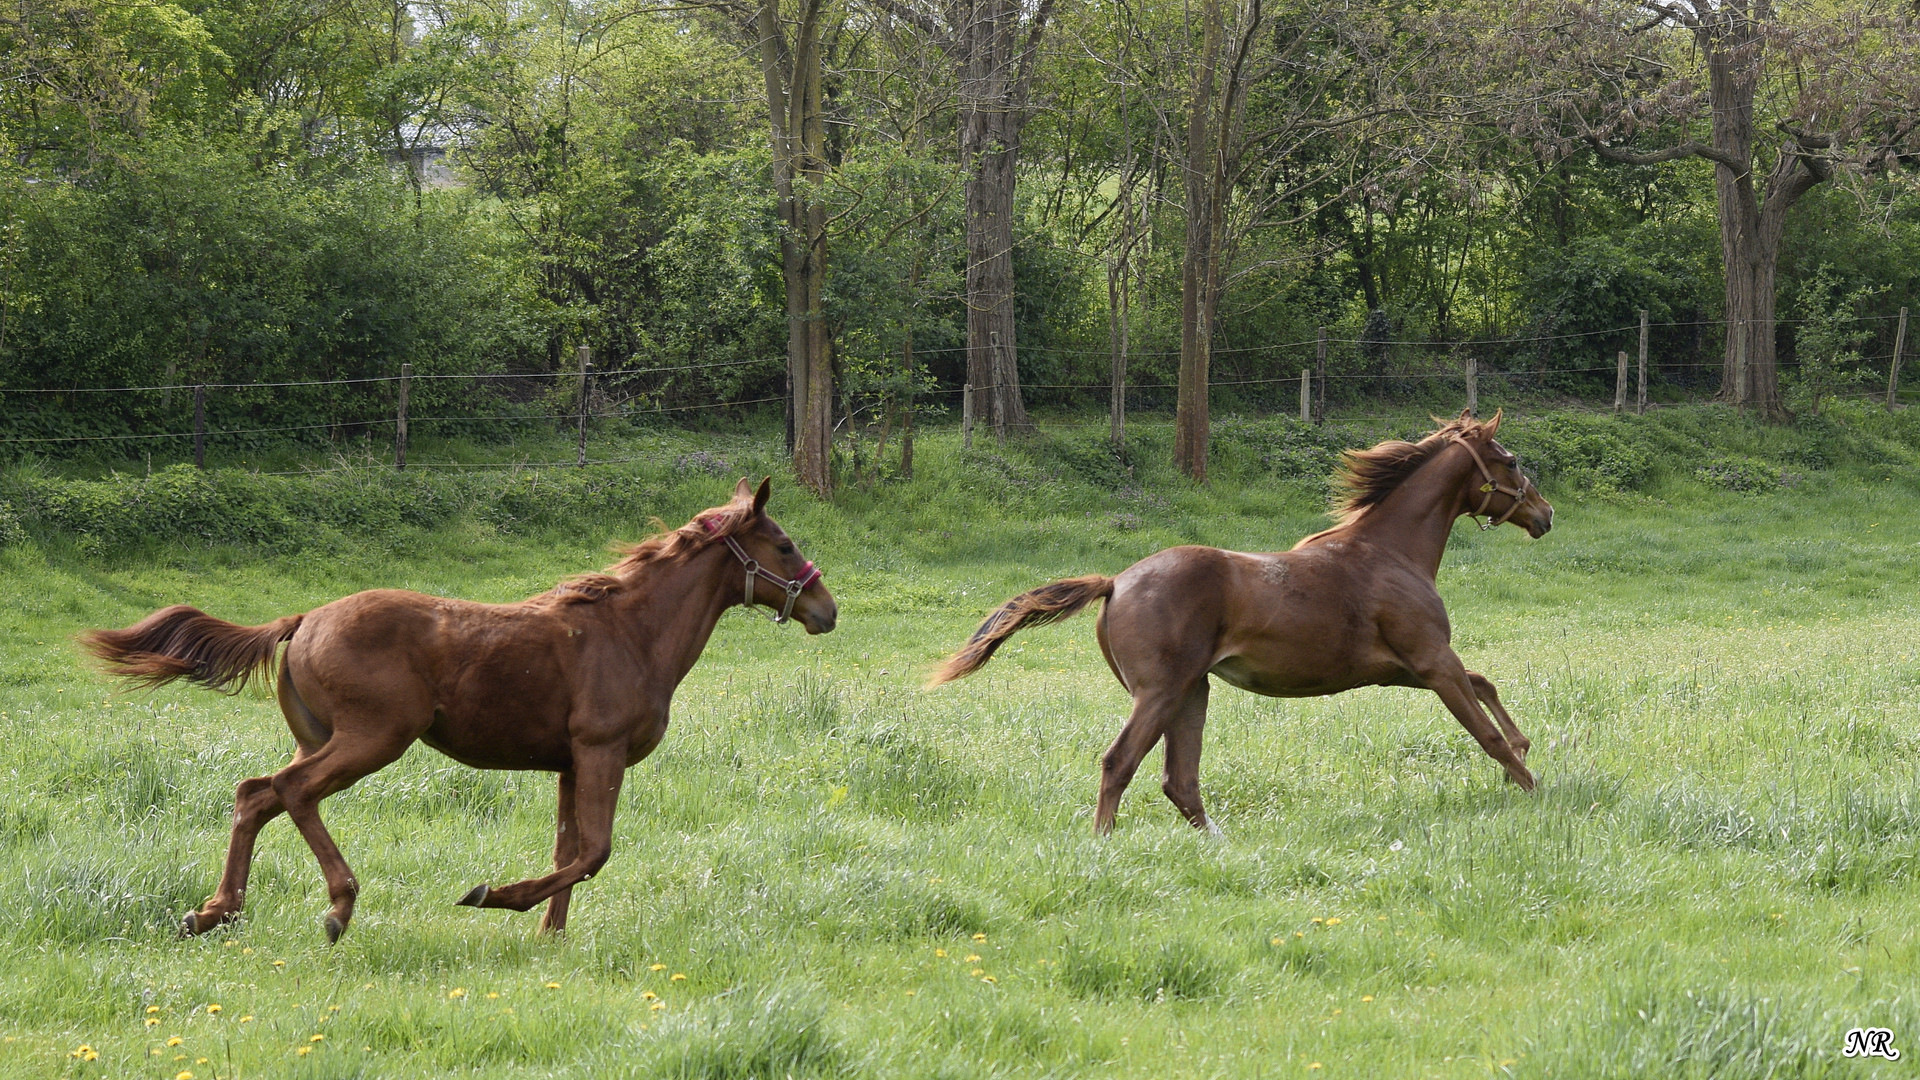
859	878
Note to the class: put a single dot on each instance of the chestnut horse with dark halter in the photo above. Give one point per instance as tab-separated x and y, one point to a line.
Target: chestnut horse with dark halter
575	681
1352	606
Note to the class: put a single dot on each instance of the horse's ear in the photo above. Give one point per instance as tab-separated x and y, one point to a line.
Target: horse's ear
743	490
760	497
1492	427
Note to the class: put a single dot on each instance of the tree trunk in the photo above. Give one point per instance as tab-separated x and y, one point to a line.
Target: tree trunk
1196	270
797	135
996	74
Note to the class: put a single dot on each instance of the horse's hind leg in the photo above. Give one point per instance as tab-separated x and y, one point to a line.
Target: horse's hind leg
1483	689
1181	780
301	785
566	847
1154	712
254	804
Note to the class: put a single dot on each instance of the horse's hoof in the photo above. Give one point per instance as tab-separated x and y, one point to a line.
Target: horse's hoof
334	929
475	898
190	925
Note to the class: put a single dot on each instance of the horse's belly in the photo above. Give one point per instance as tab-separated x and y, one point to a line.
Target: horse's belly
1284	679
498	745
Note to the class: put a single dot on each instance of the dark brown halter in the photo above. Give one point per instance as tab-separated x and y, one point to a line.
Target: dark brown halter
1489	489
808	575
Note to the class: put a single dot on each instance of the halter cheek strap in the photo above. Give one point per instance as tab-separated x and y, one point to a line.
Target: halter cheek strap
1489	489
808	575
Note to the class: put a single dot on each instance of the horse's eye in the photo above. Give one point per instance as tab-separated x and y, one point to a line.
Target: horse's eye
786	548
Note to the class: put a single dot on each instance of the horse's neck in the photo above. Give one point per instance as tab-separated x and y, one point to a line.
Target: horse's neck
675	606
1416	519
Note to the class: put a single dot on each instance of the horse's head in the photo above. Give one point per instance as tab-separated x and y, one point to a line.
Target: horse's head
761	542
1499	489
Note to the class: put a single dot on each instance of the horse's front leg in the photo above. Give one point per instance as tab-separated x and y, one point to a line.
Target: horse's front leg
1445	675
1483	689
597	772
566	837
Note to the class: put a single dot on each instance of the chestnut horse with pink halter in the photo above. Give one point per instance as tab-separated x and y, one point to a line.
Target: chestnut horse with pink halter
575	681
1355	605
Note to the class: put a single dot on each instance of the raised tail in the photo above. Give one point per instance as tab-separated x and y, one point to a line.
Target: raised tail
184	642
1035	607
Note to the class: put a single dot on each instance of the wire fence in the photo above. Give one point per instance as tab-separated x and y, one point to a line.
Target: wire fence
1359	378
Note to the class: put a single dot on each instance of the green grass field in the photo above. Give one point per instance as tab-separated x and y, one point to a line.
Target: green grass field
826	871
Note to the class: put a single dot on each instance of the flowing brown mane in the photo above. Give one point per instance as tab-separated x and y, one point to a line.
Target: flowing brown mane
667	545
1366	477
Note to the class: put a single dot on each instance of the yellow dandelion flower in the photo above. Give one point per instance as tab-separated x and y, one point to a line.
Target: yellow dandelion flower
988	979
657	967
279	963
940	953
84	1052
179	1057
1275	941
553	986
457	992
199	1061
913	993
657	1006
973	958
183	1074
648	995
316	1037
153	1053
153	1021
151	1009
492	995
1335	921
175	1041
977	972
1299	933
213	1009
677	977
1366	997
303	1051
248	951
333	1008
1317	922
1315	1065
247	1019
979	937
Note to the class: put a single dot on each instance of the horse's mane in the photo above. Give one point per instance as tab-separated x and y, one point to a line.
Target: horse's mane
666	545
1365	478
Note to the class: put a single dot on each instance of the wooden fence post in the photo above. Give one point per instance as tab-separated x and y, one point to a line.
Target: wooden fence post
966	416
1640	406
1306	395
200	426
1320	374
1893	372
1620	385
586	361
400	420
1473	386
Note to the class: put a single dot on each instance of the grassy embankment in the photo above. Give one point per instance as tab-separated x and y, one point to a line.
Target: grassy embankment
1717	876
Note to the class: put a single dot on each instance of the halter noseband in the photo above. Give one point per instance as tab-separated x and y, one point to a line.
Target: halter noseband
1489	489
808	575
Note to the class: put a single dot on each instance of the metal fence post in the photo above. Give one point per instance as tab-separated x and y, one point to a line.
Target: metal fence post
200	426
400	420
586	361
1640	407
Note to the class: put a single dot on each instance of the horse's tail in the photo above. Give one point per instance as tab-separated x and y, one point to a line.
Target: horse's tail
183	642
1035	607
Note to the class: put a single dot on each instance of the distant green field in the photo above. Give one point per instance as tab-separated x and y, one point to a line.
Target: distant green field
826	871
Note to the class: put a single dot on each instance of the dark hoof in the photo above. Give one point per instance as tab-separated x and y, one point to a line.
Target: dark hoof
476	898
334	929
190	925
